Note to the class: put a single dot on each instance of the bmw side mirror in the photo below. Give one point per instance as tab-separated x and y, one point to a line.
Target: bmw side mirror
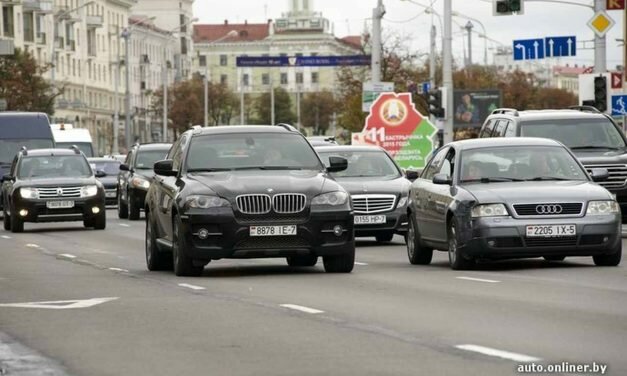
164	168
412	175
599	174
442	179
337	164
100	174
124	167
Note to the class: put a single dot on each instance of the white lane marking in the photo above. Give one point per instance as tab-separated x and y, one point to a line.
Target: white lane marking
193	287
31	245
118	270
67	256
478	280
124	225
361	263
60	304
499	353
301	308
6	237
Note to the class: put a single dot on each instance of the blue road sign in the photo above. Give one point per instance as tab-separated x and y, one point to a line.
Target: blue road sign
619	104
528	49
302	61
560	46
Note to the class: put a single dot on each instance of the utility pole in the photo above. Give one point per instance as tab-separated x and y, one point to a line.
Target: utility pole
272	114
164	131
432	53
241	99
469	27
126	34
447	70
206	99
377	15
600	56
116	114
298	105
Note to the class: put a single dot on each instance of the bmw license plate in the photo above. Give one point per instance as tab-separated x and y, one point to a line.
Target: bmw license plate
369	219
548	231
60	204
289	230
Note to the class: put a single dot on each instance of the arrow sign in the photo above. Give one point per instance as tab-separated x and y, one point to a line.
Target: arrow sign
561	46
617	80
522	51
529	49
60	304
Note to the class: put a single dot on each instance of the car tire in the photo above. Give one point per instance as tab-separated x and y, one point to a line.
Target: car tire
17	225
100	222
456	257
385	237
6	220
183	264
155	260
416	253
340	264
122	207
133	208
612	259
554	258
302	261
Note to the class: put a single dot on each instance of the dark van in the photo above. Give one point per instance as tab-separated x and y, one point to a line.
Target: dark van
17	129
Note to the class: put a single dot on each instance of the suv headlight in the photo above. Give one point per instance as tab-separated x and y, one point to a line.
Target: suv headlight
206	202
27	192
138	182
330	199
89	191
602	207
489	210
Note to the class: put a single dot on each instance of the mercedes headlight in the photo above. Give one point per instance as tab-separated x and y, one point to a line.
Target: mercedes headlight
402	202
489	210
27	192
138	182
602	207
330	199
89	191
206	202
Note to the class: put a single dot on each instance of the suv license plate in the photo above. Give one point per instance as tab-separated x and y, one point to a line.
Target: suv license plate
273	230
60	204
369	219
548	231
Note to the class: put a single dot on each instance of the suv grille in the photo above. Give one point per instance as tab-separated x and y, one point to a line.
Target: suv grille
544	209
254	204
289	203
55	192
373	203
618	174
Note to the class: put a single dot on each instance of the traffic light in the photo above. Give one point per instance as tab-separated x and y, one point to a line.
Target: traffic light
508	7
434	103
600	93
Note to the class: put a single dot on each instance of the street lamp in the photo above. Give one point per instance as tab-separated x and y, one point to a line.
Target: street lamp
232	33
485	43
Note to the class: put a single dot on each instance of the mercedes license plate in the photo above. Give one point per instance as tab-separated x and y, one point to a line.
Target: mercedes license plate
370	219
110	195
273	230
548	231
60	204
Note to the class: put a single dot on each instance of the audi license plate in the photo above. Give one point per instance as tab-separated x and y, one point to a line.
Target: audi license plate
60	204
369	219
548	231
273	230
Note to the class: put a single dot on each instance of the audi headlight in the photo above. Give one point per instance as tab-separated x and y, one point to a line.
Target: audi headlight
489	210
402	202
138	182
32	193
330	199
602	207
206	202
89	191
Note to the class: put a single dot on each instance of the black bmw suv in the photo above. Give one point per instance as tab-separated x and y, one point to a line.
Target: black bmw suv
52	185
247	192
135	177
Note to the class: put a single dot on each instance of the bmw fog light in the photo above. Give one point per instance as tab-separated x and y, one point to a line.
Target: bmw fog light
338	230
23	213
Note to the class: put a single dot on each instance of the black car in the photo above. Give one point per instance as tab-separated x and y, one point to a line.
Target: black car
52	185
594	137
247	192
135	177
505	198
109	169
378	189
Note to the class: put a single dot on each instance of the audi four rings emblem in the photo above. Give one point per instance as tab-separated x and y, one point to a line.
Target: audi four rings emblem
549	209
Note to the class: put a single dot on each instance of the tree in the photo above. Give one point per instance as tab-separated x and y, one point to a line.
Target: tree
317	111
548	97
222	103
282	108
22	84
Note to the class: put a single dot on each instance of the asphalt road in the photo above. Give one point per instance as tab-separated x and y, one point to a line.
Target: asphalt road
261	317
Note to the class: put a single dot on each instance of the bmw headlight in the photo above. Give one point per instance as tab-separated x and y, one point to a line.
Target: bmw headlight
138	182
89	191
602	207
206	202
402	202
330	199
489	210
27	192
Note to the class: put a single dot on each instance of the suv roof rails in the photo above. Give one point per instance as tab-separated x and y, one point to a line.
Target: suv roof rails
24	150
196	127
287	127
76	149
585	109
513	111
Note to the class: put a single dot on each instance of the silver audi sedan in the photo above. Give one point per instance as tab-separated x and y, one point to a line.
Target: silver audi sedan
504	198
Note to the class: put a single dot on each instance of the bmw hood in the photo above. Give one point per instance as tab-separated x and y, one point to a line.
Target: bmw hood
359	186
537	192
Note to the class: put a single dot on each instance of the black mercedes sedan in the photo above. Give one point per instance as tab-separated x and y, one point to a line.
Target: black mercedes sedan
506	198
378	189
108	169
247	192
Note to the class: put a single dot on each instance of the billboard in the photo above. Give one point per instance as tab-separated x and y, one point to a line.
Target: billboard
473	106
371	91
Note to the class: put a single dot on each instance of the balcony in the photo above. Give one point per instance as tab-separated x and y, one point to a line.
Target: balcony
59	42
40	38
94	21
39	6
71	45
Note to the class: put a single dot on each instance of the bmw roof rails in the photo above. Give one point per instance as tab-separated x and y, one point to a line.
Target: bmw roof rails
76	149
585	109
287	127
513	111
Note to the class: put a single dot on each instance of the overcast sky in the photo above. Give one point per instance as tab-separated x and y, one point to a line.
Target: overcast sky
541	19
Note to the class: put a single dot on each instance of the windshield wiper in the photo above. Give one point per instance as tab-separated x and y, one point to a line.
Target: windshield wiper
192	170
267	168
492	179
594	147
547	178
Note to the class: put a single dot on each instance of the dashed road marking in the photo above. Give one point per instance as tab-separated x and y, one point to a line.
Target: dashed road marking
124	225
118	270
478	280
6	237
193	287
67	256
498	353
361	263
300	308
31	245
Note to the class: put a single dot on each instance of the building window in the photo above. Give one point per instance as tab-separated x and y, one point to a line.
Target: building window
224	60
202	60
265	79
283	78
224	79
246	79
299	77
29	27
7	21
314	77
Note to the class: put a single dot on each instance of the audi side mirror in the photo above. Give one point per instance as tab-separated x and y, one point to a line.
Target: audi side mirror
599	174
